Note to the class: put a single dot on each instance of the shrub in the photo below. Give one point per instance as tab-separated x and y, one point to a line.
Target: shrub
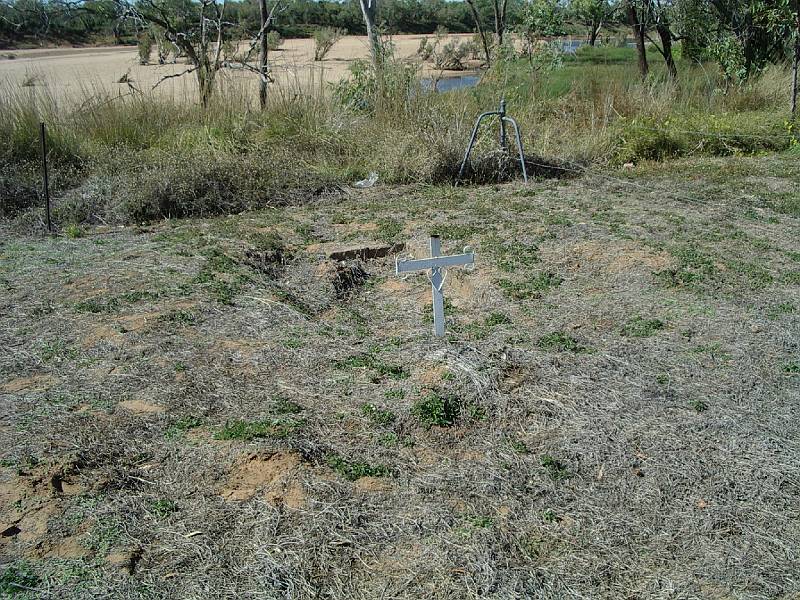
451	56
426	48
274	40
364	90
144	43
324	39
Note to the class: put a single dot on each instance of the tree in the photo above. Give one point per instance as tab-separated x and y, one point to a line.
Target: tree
796	57
636	20
500	8
199	34
657	13
541	18
266	16
592	14
754	30
369	8
487	47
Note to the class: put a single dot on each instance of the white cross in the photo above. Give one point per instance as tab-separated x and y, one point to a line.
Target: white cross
436	263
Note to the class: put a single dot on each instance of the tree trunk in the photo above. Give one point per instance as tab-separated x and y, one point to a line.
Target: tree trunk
481	32
499	19
639	33
666	45
796	65
593	33
205	82
370	10
263	55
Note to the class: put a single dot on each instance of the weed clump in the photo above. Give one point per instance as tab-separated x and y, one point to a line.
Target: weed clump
377	415
558	341
532	288
353	470
17	578
435	409
640	327
556	469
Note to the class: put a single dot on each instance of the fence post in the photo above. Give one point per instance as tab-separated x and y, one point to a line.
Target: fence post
45	182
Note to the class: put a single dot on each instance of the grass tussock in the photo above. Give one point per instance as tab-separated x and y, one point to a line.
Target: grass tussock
143	157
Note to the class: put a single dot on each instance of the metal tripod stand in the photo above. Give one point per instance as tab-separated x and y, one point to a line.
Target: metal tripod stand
503	138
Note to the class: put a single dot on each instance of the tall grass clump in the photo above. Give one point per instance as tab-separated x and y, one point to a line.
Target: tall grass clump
146	156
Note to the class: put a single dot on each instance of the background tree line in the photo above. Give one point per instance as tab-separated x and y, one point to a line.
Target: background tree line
25	22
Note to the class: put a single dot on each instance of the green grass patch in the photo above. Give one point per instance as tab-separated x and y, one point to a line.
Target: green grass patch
558	341
532	288
367	361
163	508
641	328
356	469
792	368
18	579
181	426
557	470
377	415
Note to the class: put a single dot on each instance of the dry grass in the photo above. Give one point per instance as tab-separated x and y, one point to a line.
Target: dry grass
183	404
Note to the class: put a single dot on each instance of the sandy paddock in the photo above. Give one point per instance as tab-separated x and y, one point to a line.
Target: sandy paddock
77	72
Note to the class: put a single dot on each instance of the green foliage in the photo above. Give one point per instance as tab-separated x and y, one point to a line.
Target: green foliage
181	426
792	368
57	350
728	52
17	578
368	89
558	341
724	134
145	47
497	318
452	55
556	469
641	327
73	231
353	470
698	405
324	39
370	361
694	268
378	415
542	18
163	508
435	409
519	447
180	316
284	406
512	255
388	229
274	40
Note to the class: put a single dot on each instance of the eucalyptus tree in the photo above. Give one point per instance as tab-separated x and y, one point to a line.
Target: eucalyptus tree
593	14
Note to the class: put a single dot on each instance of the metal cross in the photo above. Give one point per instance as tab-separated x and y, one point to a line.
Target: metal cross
435	264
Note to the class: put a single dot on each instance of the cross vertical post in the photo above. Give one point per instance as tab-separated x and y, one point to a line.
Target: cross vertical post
435	264
436	286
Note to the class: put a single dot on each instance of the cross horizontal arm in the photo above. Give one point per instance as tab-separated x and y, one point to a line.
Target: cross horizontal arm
425	264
